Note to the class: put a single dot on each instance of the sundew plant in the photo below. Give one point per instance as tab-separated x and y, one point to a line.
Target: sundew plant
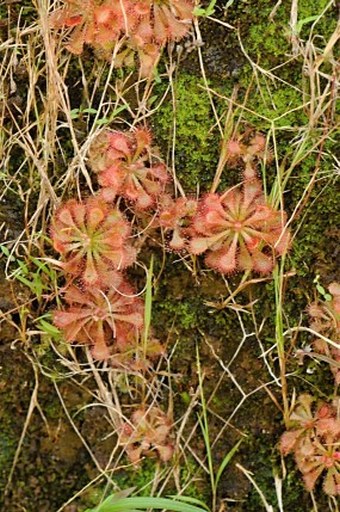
170	292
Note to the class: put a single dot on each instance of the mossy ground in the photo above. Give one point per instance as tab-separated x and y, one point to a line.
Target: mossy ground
54	464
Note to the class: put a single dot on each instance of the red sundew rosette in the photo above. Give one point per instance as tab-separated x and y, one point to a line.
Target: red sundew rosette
325	319
97	25
148	433
175	217
93	238
171	20
239	231
142	26
108	320
124	168
136	358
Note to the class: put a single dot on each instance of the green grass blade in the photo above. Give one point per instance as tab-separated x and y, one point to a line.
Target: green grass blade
204	424
208	11
190	499
23	267
90	110
4	250
148	301
49	328
25	281
303	22
141	503
103	120
226	461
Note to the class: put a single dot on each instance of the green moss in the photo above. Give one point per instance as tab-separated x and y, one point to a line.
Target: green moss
188	313
281	104
141	479
144	478
294	496
267	39
324	26
7	451
316	241
196	144
182	313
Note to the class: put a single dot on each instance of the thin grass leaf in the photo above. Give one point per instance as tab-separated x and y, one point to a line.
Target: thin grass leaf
141	503
204	424
191	500
74	113
48	328
103	120
25	281
117	111
90	110
4	250
303	22
226	461
320	289
148	301
38	285
199	11
42	266
23	267
152	99
6	253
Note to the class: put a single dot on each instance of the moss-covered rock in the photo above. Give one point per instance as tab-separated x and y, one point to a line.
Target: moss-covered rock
188	123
